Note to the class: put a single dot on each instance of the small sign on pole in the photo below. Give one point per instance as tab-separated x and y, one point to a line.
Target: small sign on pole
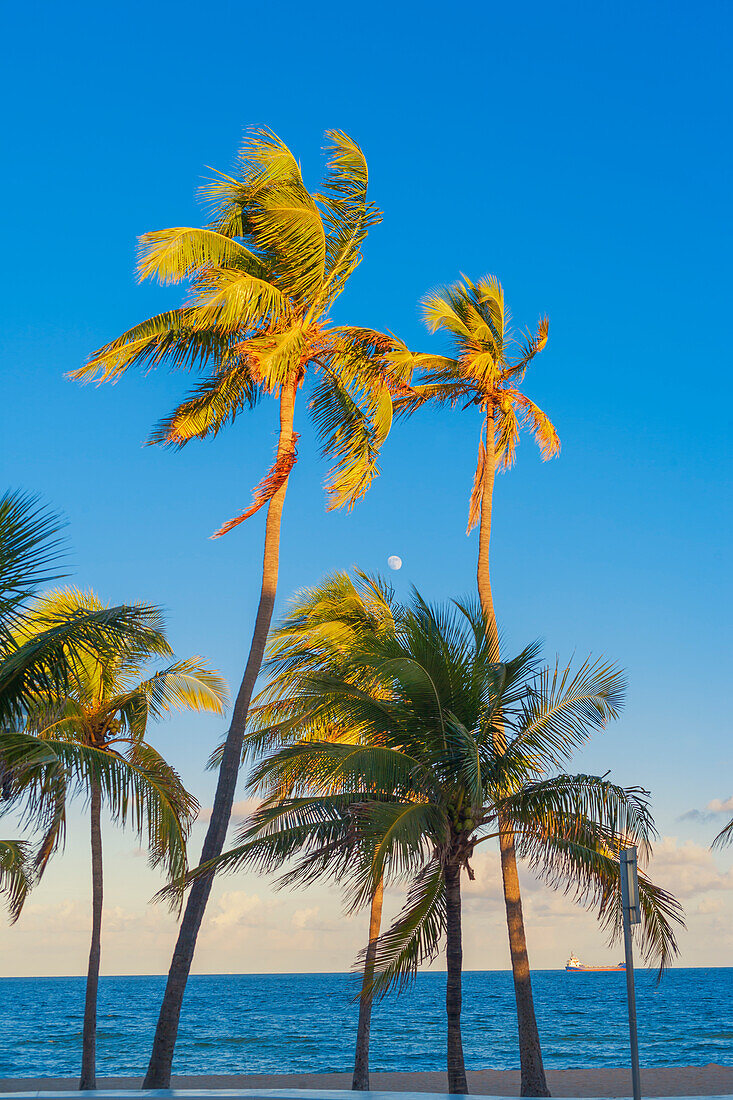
631	915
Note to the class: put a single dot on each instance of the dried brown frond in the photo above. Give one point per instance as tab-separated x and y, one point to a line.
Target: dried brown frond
474	511
506	432
275	478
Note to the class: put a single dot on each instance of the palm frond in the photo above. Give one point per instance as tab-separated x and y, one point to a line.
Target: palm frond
16	875
30	547
474	511
563	803
725	836
585	865
58	639
347	214
531	344
212	404
186	338
240	300
270	208
172	255
539	423
265	163
139	789
184	685
563	707
415	936
351	434
439	312
273	481
506	433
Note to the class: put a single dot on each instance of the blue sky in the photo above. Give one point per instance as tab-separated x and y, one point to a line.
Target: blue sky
579	152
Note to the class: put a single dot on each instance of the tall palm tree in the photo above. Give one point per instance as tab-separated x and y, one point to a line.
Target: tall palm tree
485	370
108	708
429	780
264	275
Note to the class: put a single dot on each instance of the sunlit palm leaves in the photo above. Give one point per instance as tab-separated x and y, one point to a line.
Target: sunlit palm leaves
95	731
488	363
263	275
42	643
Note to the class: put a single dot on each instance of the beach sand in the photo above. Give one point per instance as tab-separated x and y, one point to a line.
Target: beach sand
710	1080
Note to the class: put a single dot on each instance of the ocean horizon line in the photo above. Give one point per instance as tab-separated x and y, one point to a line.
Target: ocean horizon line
324	973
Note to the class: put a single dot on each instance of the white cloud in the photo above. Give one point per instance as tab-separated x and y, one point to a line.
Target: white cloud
487	882
240	810
312	920
687	869
713	809
709	905
720	807
238	908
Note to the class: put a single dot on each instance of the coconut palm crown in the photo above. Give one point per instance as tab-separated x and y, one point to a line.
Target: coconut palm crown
264	274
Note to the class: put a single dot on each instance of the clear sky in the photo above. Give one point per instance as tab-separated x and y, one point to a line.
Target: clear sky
579	151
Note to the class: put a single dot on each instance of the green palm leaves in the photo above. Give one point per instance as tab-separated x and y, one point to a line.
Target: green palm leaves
93	731
442	743
263	276
16	874
390	743
42	660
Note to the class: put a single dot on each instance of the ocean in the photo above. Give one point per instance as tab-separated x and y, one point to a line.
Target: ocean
290	1023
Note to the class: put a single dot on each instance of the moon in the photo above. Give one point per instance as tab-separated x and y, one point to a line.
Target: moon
394	562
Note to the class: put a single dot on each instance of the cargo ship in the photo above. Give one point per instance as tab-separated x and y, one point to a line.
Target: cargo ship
575	965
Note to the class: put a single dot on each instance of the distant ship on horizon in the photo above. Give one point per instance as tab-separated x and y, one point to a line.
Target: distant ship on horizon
574	965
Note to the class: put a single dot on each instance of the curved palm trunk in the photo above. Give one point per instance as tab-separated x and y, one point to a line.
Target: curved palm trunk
533	1080
361	1061
454	964
158	1075
88	1079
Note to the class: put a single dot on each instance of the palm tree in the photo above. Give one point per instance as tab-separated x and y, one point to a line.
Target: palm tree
264	274
486	368
108	707
428	780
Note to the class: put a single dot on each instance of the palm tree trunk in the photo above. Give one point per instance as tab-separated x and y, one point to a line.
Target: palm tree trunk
533	1080
88	1079
361	1061
158	1075
454	963
483	572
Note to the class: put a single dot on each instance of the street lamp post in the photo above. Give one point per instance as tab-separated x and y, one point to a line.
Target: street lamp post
631	915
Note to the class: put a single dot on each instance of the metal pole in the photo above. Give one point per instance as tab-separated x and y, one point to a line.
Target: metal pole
630	855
